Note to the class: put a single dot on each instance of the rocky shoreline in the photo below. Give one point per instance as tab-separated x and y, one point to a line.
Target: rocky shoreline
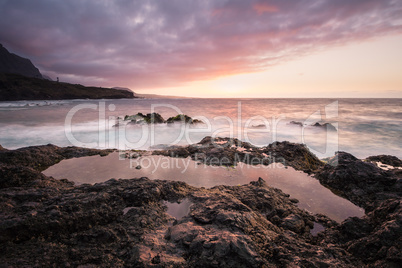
53	223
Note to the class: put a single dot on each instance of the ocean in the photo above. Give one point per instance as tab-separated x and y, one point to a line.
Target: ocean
362	127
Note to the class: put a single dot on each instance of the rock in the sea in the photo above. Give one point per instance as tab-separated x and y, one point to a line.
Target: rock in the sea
183	119
259	126
139	118
296	123
325	126
155	118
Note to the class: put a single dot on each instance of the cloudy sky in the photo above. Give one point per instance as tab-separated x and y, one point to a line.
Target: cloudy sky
221	48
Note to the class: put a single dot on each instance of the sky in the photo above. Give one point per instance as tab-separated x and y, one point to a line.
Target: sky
220	48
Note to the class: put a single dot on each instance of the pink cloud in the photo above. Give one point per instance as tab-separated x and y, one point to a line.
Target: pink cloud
261	8
166	43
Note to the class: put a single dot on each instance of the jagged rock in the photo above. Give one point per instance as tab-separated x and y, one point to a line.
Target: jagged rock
361	182
140	118
326	126
294	222
163	147
120	223
375	238
295	155
41	157
297	123
184	119
386	159
86	225
225	151
156	118
259	126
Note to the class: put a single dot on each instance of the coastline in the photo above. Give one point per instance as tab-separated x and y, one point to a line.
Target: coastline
15	87
250	225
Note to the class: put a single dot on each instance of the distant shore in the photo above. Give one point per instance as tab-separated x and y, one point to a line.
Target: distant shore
14	87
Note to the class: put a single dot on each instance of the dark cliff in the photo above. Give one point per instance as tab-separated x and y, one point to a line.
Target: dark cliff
14	64
21	80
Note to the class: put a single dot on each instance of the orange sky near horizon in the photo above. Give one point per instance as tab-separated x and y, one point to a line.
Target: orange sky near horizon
370	69
218	49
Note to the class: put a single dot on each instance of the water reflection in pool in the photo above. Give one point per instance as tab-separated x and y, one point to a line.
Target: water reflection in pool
178	210
311	194
317	228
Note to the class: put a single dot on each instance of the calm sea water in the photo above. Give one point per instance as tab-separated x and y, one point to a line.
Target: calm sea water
364	126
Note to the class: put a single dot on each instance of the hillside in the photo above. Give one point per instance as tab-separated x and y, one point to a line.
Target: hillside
11	63
17	87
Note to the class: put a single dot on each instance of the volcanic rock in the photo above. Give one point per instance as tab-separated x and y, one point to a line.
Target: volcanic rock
124	223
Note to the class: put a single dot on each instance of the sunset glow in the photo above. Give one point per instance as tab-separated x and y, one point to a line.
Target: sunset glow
345	71
214	48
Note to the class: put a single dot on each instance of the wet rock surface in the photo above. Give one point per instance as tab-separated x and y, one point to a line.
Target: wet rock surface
361	182
120	223
229	152
386	159
377	237
41	157
23	166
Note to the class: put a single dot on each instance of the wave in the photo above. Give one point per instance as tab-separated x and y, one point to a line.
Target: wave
14	104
